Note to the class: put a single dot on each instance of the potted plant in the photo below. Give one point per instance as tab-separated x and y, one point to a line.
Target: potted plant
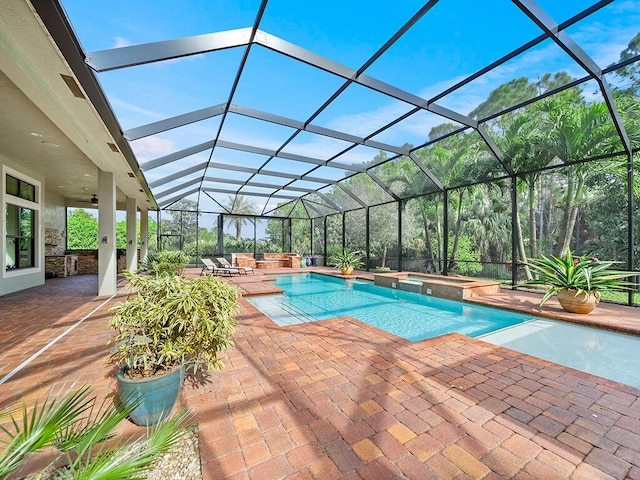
347	261
577	281
166	325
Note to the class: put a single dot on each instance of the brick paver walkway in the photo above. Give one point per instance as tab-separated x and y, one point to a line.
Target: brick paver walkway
341	399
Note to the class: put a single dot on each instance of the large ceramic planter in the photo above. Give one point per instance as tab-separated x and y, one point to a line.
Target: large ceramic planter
346	270
581	303
157	395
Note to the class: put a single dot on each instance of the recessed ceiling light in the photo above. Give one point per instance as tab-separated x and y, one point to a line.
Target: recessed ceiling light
87	175
47	143
61	186
35	134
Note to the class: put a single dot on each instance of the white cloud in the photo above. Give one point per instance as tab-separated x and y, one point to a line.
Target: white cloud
357	156
149	148
317	146
151	115
367	122
122	42
253	136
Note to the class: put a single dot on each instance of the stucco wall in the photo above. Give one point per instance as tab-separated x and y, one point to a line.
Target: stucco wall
55	233
15	280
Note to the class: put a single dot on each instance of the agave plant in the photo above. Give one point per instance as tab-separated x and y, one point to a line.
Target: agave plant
347	259
69	422
582	275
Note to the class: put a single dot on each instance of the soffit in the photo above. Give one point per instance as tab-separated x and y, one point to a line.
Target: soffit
36	99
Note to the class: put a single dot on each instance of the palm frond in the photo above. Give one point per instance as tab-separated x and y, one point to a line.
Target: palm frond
41	427
67	421
131	460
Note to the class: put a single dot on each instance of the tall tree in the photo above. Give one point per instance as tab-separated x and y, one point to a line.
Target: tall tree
505	96
575	133
520	144
82	230
238	206
631	71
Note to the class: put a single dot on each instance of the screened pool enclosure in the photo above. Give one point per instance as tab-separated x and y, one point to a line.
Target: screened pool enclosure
457	137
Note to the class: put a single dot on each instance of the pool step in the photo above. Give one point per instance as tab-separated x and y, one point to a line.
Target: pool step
295	311
280	310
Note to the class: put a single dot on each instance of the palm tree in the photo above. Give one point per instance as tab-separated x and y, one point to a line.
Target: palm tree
520	143
406	180
575	133
239	205
489	224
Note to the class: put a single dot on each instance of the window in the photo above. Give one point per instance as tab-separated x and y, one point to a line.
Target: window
21	217
20	251
21	189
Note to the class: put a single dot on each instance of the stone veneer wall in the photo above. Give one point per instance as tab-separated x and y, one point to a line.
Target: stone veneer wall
88	260
53	241
56	266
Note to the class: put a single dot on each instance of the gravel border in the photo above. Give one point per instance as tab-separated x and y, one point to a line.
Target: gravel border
180	463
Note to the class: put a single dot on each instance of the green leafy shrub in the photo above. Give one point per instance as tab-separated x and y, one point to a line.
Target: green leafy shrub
147	262
466	260
170	262
169	321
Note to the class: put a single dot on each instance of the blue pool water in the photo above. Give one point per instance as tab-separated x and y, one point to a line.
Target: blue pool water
311	297
608	354
412	316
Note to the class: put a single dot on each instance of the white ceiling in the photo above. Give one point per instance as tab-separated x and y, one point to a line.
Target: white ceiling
44	126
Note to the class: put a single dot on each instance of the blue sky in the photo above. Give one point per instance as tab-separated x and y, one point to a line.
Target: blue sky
454	40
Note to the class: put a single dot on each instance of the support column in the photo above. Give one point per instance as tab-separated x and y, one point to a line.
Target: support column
324	242
367	241
132	235
220	248
401	205
144	234
445	224
107	261
631	227
515	258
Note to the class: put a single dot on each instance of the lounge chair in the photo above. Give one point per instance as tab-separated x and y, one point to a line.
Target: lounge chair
224	263
210	268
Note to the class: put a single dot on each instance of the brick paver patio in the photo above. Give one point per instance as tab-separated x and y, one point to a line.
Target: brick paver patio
341	399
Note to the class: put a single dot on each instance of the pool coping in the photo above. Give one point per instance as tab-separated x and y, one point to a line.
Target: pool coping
442	339
606	316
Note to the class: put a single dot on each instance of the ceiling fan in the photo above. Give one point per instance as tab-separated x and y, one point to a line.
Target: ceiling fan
93	201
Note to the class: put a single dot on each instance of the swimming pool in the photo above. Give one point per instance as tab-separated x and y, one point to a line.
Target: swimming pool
601	352
310	297
412	316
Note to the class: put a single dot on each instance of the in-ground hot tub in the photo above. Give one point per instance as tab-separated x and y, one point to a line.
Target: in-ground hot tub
453	288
